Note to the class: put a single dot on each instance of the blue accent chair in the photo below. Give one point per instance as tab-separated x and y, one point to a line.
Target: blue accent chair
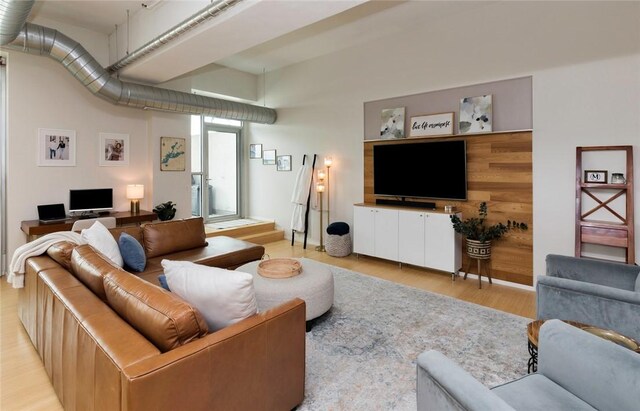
600	293
576	371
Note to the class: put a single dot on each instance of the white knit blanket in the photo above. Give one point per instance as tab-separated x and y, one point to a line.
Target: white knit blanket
37	247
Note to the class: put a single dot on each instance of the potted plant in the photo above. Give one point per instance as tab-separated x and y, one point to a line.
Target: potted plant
165	211
479	235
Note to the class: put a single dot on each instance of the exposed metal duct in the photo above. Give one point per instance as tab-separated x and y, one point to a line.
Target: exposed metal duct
13	14
212	10
35	39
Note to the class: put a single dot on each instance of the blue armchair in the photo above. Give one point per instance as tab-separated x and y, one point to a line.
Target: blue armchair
600	293
576	371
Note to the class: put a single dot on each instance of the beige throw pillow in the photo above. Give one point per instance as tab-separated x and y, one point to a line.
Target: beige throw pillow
99	237
222	296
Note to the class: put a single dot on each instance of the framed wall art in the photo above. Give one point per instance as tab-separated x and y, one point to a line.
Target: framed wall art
113	149
269	157
476	114
283	163
172	153
595	176
255	150
431	125
56	148
392	123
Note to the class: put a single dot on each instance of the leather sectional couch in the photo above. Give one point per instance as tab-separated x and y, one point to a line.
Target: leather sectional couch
113	340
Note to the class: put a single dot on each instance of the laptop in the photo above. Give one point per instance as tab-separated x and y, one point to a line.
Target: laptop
51	213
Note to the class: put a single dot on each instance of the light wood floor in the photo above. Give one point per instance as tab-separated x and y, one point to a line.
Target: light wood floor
24	385
503	298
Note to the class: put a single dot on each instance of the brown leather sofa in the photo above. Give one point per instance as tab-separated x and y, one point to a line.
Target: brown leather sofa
110	340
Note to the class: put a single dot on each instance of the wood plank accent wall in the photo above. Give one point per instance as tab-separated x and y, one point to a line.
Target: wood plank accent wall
499	172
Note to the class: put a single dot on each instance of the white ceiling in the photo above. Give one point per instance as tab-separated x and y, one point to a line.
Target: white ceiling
257	34
96	15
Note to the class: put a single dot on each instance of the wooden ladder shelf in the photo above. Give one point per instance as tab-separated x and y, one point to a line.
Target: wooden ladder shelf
616	233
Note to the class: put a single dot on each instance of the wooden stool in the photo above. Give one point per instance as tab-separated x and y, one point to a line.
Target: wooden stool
486	269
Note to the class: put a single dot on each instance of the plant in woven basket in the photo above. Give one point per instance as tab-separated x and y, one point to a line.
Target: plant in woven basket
474	228
165	211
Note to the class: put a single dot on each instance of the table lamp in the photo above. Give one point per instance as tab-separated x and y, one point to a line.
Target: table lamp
135	192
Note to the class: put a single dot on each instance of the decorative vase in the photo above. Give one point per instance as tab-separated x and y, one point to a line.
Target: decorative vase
479	250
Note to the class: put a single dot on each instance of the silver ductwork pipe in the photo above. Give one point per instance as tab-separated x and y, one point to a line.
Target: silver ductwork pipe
35	39
212	10
13	14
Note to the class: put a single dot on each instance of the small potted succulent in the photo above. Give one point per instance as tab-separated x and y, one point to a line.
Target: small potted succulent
479	235
166	211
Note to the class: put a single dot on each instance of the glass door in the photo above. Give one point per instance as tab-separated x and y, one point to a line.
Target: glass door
221	173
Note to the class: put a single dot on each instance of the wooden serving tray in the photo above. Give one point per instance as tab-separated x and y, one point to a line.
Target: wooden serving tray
279	268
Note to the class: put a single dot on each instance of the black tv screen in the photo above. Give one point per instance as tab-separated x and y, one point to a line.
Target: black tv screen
436	169
94	199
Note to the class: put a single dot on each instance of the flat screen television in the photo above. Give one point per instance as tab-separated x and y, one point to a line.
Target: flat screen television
435	169
93	199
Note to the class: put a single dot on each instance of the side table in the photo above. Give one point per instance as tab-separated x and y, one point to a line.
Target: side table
533	331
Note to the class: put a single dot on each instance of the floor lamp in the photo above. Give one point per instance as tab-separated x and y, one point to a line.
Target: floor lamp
320	189
328	161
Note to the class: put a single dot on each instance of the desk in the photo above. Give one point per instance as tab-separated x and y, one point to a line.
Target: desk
34	228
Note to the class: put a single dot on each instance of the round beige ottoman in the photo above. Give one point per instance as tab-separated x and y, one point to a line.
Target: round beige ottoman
314	285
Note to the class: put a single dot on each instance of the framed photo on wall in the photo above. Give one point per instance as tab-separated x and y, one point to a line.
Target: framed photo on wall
56	148
255	150
113	149
283	163
269	157
172	153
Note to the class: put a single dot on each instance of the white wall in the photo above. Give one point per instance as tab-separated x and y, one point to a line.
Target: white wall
172	186
591	104
584	59
42	94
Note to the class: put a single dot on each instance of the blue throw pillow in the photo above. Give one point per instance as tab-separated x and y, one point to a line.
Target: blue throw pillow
162	279
132	253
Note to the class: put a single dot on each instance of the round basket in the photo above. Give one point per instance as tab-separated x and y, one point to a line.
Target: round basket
338	245
279	268
479	250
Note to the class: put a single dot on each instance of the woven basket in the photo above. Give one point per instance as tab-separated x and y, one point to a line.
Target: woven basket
279	268
338	245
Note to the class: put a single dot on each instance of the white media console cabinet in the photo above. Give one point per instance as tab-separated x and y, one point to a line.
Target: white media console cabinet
418	237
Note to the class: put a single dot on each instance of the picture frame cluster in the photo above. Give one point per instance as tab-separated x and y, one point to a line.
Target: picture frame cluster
270	157
58	147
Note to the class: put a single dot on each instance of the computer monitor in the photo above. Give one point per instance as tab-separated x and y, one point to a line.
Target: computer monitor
94	199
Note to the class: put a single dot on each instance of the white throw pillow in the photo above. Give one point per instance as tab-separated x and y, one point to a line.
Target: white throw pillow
99	237
222	296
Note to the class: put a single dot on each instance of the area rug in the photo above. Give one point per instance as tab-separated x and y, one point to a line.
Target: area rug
362	354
